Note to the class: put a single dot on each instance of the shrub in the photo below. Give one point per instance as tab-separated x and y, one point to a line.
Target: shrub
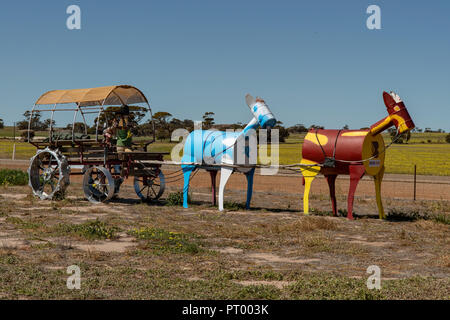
176	199
13	177
447	138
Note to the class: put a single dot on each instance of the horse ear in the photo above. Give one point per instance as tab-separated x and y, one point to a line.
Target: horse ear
388	100
250	100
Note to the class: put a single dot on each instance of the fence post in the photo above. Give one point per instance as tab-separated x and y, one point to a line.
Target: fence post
415	173
14	152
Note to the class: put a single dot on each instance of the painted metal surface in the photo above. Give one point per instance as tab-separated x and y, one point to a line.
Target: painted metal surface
203	147
352	152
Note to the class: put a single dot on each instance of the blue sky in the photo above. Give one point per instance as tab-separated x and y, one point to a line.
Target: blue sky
314	62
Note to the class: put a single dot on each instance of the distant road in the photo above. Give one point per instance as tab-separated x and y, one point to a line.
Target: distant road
285	182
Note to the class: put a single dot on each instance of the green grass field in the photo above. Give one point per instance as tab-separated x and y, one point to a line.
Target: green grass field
430	158
23	150
8	132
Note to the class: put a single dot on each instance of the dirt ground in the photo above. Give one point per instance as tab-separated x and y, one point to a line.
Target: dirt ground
271	251
397	186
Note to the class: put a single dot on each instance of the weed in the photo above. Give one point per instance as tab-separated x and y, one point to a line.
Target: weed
24	224
95	229
161	240
259	292
331	287
176	199
442	218
233	206
12	177
317	212
399	215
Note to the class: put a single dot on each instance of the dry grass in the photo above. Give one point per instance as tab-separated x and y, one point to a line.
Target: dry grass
311	224
314	256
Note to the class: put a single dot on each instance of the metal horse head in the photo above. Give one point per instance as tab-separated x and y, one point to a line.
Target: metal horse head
397	112
261	112
398	115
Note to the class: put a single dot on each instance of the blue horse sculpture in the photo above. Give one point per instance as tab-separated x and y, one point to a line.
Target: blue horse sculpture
231	150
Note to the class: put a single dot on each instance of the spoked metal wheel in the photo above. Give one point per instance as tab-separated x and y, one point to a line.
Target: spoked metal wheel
150	187
117	181
98	184
49	174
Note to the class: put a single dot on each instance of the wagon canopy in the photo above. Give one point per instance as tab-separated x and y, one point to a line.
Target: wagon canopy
111	95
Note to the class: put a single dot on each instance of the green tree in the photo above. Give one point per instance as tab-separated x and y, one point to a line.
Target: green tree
162	119
237	126
2	124
208	120
46	124
162	124
188	124
403	138
298	128
78	127
36	123
447	138
175	124
283	133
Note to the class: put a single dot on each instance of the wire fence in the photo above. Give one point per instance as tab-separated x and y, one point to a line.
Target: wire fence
16	150
402	186
394	186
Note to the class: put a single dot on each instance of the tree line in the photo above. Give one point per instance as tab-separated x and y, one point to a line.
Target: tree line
165	123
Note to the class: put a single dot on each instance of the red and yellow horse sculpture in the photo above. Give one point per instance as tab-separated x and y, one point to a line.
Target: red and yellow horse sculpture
352	152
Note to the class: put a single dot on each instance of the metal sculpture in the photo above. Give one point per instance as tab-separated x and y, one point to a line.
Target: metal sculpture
105	164
352	152
214	150
48	174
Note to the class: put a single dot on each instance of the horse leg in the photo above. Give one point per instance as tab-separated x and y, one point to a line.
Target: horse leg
331	179
225	174
356	173
186	175
213	174
378	178
309	173
249	175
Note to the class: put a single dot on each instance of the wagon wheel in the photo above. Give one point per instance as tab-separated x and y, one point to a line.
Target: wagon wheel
48	174
98	184
117	181
150	187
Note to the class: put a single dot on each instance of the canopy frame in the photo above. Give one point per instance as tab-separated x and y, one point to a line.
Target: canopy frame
89	104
